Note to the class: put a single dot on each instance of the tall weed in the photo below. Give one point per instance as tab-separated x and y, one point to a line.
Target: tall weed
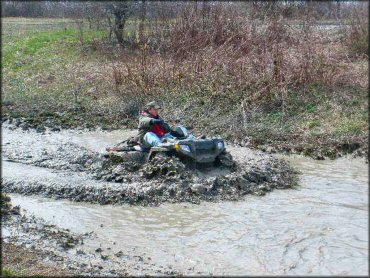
357	31
221	52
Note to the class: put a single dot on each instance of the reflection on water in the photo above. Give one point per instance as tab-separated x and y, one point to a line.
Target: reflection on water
320	228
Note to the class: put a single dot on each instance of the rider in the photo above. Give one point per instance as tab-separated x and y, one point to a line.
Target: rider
152	128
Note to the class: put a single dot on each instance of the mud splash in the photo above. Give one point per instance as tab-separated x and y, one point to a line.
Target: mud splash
73	170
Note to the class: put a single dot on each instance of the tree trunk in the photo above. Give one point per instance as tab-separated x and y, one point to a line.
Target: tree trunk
142	20
110	27
338	11
119	24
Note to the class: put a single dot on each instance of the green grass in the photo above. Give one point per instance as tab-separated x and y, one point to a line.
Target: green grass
21	53
349	126
310	108
322	111
276	117
6	272
14	28
37	64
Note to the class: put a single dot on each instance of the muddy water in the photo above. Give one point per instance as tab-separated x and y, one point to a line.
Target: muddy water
71	165
321	228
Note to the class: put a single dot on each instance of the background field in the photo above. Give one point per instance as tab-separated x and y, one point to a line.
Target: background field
307	88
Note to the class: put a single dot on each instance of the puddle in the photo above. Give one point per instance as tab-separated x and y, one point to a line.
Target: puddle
320	228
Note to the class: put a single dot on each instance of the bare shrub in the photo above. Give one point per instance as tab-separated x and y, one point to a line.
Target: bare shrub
219	52
357	32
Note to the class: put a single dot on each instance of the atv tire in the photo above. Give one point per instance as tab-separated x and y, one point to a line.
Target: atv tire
225	159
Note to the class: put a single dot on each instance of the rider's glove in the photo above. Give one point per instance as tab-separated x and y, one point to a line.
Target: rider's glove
157	121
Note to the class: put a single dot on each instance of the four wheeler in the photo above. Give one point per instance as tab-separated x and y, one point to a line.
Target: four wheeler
185	146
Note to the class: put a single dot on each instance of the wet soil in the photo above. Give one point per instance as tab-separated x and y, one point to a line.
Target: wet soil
57	250
71	164
318	147
25	262
319	228
70	170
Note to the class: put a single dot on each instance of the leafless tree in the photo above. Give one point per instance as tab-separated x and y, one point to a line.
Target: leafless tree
121	12
142	20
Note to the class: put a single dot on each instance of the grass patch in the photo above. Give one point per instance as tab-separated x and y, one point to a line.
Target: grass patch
18	54
6	272
310	108
347	126
38	66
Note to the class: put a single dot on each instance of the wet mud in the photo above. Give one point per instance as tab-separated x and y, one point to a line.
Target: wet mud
320	228
74	171
323	148
64	250
6	207
320	147
287	232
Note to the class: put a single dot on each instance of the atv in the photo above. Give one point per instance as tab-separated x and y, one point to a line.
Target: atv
184	146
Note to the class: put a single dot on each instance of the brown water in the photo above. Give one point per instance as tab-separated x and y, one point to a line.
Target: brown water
321	228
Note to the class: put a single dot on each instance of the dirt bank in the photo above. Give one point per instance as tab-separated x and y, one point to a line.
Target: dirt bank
33	246
22	249
263	135
20	261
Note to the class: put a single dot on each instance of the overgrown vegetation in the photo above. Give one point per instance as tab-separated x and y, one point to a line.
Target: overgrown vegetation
357	36
248	77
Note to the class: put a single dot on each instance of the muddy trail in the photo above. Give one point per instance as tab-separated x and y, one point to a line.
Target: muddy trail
71	164
62	250
318	228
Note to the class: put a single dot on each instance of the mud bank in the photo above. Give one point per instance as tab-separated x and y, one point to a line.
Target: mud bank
62	239
20	261
35	239
52	249
61	165
318	147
